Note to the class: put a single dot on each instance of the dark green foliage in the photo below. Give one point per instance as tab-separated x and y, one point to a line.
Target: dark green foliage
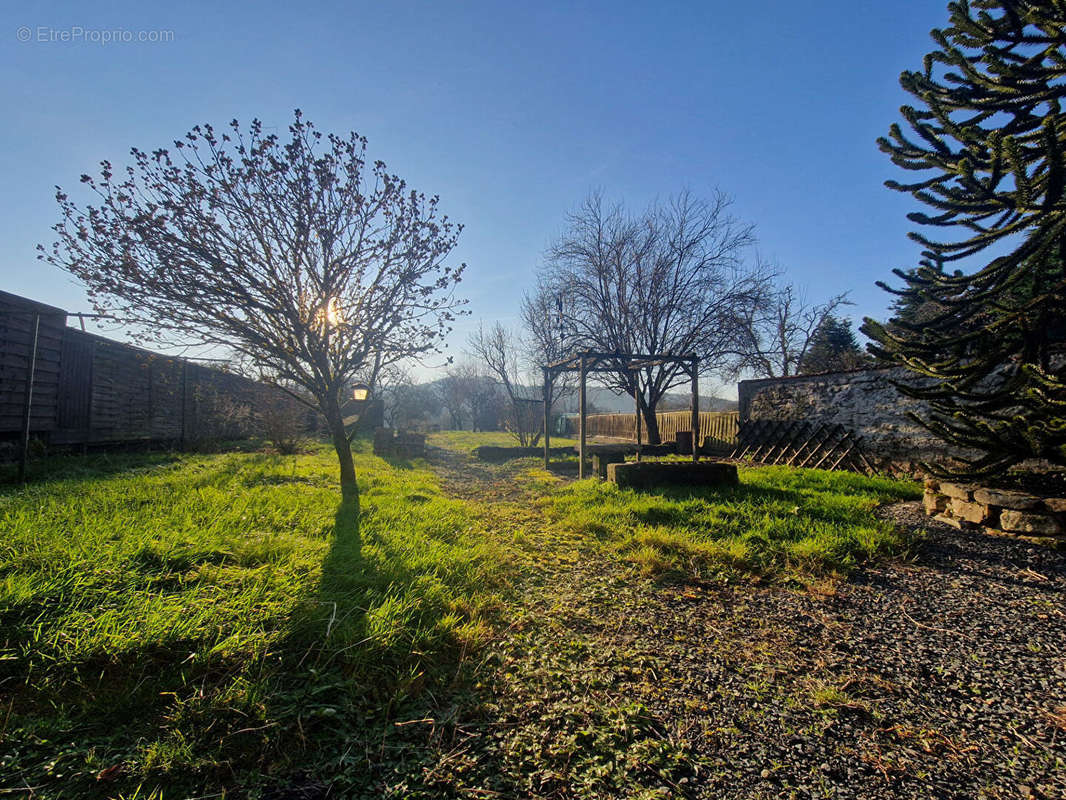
833	348
918	311
985	345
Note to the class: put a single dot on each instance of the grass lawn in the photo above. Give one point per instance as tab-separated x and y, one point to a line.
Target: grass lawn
780	522
192	621
466	441
178	625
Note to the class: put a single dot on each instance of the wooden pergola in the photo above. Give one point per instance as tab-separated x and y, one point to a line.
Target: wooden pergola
588	361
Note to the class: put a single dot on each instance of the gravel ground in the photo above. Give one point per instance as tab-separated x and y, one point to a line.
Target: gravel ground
942	676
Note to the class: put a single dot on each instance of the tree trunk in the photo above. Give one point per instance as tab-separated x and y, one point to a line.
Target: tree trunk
331	410
651	423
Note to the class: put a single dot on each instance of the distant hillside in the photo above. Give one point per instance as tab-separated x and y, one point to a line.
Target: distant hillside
605	401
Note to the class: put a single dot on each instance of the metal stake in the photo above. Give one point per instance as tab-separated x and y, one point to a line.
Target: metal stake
27	406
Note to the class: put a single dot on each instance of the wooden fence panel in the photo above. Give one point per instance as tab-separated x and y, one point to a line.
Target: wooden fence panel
16	339
121	395
89	389
720	426
74	412
166	422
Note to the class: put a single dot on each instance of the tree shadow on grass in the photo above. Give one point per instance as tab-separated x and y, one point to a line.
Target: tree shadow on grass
349	679
237	711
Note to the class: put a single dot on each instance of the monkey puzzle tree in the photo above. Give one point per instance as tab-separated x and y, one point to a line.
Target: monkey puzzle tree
297	256
990	136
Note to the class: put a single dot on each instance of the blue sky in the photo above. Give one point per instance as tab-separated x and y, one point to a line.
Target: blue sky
511	112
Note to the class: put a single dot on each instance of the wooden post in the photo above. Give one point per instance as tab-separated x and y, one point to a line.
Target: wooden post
27	406
695	410
583	371
547	415
636	401
184	393
89	410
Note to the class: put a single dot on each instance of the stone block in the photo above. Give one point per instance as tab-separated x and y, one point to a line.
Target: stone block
970	512
1055	504
1028	522
600	462
961	524
934	503
409	444
1019	501
957	490
653	474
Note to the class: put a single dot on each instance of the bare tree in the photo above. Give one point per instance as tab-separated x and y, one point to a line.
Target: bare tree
668	280
388	386
467	393
408	404
501	351
775	335
488	408
454	391
298	255
548	339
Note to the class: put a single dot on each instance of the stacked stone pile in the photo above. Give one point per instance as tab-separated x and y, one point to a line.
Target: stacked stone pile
996	510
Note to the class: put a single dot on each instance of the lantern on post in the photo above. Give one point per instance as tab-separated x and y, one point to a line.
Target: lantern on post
353	408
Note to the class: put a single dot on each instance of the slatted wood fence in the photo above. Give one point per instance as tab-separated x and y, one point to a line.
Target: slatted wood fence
719	426
16	346
88	389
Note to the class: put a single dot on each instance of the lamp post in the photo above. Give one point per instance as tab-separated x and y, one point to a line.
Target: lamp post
353	408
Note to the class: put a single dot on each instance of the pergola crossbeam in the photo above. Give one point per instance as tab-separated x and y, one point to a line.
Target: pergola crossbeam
591	361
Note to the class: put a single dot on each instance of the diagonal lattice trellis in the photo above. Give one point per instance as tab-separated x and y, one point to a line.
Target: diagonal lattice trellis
801	444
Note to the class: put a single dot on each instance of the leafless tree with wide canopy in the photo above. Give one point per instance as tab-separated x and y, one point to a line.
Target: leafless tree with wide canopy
668	280
775	336
298	256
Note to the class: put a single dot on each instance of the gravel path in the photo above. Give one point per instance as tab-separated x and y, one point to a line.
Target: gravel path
943	676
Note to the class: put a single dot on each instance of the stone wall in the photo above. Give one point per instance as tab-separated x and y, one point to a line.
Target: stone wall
996	510
863	401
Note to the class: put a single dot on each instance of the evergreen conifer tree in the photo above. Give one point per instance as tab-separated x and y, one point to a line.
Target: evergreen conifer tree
986	352
833	348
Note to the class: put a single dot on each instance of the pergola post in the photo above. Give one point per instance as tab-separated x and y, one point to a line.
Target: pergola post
588	361
695	410
581	409
636	401
547	414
